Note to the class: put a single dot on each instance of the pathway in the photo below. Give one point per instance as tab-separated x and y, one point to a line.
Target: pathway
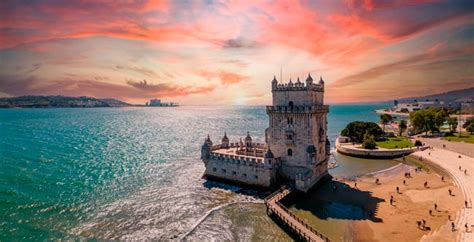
300	227
450	161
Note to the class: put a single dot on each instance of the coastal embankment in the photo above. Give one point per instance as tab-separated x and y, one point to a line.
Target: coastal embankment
380	153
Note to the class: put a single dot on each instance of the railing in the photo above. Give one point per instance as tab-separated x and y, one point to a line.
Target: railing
298	109
273	204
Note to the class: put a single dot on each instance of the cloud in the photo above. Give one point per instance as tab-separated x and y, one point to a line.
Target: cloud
141	70
225	77
74	87
239	43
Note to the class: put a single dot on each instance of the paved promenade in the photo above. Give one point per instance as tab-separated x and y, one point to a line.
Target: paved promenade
305	231
450	161
459	147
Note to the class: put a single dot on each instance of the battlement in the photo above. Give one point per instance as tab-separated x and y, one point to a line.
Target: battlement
298	87
298	109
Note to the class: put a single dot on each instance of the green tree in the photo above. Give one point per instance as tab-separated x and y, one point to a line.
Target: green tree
469	126
385	119
402	126
357	129
369	142
453	124
429	119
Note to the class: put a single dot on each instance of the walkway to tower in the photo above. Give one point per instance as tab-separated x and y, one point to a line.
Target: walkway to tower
296	224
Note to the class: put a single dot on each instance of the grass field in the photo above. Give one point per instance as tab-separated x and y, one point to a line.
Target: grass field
468	138
395	143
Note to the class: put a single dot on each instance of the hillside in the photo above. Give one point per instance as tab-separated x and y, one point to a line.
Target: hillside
58	102
456	95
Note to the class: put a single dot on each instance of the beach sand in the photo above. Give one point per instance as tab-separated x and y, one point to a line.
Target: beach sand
369	213
398	221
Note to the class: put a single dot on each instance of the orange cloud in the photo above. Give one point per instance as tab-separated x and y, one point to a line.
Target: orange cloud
225	77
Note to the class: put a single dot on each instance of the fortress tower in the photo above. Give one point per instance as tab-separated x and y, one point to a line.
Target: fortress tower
297	131
296	148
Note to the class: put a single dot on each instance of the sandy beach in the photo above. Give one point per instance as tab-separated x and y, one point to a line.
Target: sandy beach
378	220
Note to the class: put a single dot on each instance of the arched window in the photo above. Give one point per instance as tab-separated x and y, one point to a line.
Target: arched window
290	152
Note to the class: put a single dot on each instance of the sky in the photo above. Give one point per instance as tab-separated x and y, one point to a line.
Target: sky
227	52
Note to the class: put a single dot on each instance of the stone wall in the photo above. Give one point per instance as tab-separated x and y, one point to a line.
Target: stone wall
256	172
350	150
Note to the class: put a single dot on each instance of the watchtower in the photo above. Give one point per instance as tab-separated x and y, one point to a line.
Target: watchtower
297	130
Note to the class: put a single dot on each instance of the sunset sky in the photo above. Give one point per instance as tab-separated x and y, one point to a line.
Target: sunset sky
227	52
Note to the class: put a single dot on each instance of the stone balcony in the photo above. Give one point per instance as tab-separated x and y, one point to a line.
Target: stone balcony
298	109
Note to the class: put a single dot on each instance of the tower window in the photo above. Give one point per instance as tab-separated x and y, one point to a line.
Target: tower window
289	120
290	152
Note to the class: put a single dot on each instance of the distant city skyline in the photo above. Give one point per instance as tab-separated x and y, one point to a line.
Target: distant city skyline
227	52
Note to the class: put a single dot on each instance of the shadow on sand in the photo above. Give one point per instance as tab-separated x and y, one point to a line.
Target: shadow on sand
333	199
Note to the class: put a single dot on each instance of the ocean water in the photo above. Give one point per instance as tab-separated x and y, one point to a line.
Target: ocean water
133	173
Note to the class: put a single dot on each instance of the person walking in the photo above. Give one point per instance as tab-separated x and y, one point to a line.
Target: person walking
431	212
436	206
453	228
450	192
398	190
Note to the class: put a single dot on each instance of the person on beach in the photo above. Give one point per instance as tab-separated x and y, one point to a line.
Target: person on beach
436	206
453	228
425	184
431	212
459	167
404	182
465	172
418	224
355	184
391	200
442	178
449	217
398	190
465	203
423	223
450	192
377	181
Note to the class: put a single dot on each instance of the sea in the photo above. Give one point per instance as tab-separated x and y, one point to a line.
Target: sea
135	173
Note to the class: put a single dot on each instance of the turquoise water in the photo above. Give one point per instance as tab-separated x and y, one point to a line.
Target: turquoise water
123	173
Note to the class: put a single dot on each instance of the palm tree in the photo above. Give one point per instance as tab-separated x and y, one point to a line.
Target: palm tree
385	119
402	126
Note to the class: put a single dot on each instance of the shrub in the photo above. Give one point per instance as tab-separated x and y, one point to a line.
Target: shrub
418	143
369	142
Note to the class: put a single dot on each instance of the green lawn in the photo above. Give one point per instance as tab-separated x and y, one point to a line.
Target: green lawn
468	138
395	143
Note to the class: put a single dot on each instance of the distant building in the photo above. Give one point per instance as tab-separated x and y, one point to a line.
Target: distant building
296	149
467	107
418	105
158	103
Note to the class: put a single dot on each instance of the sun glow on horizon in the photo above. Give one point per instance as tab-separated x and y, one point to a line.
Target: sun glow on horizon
227	52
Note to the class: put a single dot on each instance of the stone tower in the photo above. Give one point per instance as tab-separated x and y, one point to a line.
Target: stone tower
297	131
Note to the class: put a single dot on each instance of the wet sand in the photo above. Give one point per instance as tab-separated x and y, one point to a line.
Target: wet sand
367	212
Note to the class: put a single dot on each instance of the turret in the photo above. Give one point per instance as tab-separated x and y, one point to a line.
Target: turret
290	83
225	141
248	141
274	83
206	149
321	82
309	80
